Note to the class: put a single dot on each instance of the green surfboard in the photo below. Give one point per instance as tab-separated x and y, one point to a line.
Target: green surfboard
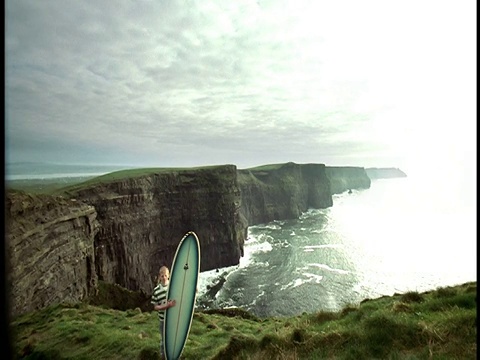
183	289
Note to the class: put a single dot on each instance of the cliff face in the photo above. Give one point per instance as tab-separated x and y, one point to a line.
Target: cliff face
49	250
143	219
121	231
343	178
59	248
282	192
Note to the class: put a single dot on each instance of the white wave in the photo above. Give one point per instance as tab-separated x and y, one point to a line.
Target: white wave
272	226
325	229
286	244
326	267
253	245
313	247
307	278
262	247
293	284
207	278
320	231
297	282
263	264
310	278
254	302
313	278
311	212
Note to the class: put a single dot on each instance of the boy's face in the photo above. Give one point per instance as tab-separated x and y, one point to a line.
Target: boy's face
163	277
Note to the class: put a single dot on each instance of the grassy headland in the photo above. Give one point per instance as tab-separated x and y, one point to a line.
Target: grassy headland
62	185
45	186
439	324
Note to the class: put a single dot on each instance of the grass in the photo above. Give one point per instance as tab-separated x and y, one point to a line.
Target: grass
44	186
439	324
61	186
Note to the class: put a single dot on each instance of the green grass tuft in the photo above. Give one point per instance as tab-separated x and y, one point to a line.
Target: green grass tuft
412	296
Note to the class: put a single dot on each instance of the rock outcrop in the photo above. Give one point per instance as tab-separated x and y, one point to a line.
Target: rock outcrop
49	250
121	227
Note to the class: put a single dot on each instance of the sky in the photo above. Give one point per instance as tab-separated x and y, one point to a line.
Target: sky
187	83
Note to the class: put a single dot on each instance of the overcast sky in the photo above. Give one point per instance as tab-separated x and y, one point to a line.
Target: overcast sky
190	83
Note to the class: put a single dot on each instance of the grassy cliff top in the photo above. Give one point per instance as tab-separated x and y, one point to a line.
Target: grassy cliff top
439	324
62	184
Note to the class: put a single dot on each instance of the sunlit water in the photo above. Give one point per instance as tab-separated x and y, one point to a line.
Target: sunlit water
395	237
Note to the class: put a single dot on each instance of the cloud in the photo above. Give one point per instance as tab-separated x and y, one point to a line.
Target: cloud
245	82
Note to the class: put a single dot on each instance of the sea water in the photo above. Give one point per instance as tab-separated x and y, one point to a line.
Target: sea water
44	171
399	235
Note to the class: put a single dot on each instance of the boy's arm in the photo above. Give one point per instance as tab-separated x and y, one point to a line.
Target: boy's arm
165	306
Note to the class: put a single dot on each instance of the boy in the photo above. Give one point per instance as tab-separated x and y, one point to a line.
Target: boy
160	302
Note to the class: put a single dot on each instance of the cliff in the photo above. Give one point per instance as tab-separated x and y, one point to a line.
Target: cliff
121	227
343	178
144	217
282	191
49	251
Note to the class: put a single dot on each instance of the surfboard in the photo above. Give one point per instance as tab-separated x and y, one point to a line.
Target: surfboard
183	289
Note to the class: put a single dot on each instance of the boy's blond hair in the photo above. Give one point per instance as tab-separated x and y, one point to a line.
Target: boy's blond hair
163	270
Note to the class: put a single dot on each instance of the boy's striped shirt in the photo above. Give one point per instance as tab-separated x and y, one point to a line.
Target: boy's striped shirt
159	297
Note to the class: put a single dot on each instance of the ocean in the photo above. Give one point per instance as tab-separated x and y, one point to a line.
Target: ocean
399	235
48	171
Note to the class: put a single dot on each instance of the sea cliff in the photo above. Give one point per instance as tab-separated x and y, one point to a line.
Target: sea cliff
121	227
282	192
50	250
